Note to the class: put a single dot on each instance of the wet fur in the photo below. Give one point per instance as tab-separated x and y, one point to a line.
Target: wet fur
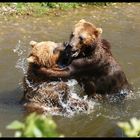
95	68
35	97
49	94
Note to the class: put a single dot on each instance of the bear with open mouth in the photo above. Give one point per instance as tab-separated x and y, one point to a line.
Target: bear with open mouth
93	64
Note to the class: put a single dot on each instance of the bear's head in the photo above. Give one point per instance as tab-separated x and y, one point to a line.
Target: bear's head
44	53
83	37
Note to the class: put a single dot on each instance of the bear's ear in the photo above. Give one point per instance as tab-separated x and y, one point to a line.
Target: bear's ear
98	31
31	59
82	20
33	43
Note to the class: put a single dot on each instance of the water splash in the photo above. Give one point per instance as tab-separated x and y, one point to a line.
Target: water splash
75	103
120	96
21	51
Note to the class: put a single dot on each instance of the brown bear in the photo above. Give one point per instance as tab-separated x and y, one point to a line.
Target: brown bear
43	54
40	92
93	64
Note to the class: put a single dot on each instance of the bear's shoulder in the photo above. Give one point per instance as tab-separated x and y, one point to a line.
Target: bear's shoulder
106	45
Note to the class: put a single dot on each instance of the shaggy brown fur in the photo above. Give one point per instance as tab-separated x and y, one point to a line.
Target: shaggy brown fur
93	66
39	91
43	54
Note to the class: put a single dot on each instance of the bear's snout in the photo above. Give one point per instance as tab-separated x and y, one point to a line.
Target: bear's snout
74	50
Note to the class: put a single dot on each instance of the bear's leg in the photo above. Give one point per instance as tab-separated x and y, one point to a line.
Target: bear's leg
89	87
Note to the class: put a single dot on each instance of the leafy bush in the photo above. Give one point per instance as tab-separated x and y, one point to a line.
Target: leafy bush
41	8
35	126
131	128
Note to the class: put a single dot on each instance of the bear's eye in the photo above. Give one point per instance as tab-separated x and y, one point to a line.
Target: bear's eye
81	37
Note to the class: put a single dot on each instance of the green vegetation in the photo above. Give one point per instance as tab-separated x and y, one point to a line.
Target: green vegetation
41	8
35	126
131	128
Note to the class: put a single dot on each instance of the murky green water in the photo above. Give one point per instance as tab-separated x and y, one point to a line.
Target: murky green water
121	26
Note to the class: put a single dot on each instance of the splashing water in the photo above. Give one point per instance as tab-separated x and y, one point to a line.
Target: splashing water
21	50
74	104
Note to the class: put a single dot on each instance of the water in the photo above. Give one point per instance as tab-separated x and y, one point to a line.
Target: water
121	26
